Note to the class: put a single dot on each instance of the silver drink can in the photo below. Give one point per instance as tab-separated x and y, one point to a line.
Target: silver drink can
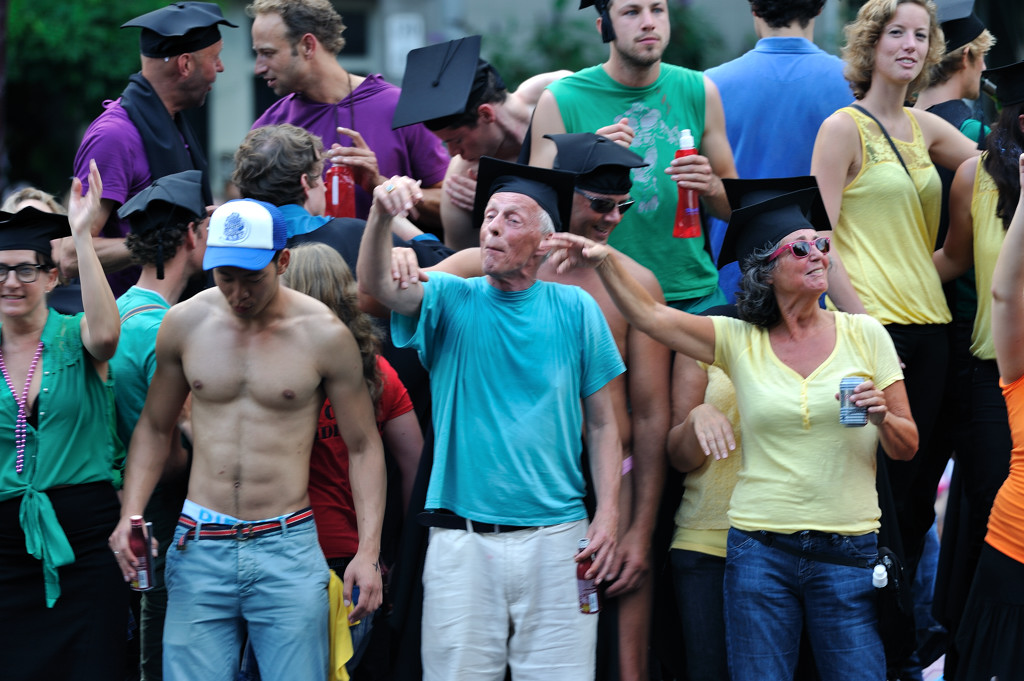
849	414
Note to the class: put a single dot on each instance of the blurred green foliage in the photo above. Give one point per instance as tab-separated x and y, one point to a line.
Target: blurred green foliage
63	59
570	40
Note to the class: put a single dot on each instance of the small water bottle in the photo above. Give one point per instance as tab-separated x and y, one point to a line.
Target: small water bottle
879	577
341	192
688	209
590	602
140	545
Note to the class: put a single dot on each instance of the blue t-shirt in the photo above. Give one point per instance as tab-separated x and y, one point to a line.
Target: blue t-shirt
775	97
508	372
133	364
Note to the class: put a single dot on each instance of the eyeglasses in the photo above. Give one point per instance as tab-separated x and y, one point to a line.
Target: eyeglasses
802	249
25	272
600	204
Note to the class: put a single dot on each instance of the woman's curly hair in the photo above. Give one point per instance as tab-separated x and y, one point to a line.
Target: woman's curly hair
862	35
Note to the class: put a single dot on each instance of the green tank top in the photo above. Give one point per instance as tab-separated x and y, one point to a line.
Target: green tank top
590	99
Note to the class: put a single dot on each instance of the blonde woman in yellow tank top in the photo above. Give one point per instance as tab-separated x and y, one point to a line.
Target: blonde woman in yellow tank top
884	208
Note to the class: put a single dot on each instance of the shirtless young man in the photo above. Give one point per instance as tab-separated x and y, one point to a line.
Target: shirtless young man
259	360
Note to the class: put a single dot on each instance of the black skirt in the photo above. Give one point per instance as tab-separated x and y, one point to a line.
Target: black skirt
990	640
83	636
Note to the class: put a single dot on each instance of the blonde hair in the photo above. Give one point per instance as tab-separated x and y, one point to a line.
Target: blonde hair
862	35
319	271
952	61
12	202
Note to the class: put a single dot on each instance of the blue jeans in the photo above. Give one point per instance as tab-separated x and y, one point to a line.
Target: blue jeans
770	595
698	584
360	633
275	586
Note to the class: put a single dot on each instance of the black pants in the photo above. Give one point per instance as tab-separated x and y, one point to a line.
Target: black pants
924	349
81	638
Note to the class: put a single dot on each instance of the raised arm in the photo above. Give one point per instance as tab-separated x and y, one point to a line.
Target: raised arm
957	253
101	323
395	197
690	334
834	163
345	387
1008	296
547	120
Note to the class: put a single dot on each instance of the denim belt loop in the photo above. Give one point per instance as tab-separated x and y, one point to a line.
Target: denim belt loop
284	525
199	526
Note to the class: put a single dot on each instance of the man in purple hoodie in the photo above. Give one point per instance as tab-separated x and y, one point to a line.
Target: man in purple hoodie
297	44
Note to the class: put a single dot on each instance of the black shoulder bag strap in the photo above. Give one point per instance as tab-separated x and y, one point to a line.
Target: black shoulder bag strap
885	132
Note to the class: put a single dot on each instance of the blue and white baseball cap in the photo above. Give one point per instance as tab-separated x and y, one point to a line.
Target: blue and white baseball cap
244	233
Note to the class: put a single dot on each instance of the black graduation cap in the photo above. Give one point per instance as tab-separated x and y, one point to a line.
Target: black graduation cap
31	229
552	189
607	32
600	164
441	81
1009	82
959	23
764	211
178	28
171	200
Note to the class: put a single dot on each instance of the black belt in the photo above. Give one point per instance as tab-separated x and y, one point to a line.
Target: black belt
768	539
450	521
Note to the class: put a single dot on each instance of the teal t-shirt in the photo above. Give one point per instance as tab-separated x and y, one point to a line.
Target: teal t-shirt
73	442
508	371
658	113
134	362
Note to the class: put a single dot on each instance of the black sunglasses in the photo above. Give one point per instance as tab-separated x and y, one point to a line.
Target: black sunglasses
603	205
802	249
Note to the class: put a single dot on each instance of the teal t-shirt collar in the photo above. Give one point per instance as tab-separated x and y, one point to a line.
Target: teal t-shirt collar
299	220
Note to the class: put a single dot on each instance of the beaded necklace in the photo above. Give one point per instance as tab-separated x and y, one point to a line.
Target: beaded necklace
20	424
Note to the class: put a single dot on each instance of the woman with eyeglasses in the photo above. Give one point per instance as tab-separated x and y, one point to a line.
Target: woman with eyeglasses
805	495
874	161
63	602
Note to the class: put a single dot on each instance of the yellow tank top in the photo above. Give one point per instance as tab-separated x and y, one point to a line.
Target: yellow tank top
887	228
988	239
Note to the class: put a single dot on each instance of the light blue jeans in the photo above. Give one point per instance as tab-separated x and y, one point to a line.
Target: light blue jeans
771	595
273	585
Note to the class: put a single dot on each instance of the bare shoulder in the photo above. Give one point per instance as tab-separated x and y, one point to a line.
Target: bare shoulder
529	90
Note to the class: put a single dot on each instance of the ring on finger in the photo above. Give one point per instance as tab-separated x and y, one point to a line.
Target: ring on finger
389	188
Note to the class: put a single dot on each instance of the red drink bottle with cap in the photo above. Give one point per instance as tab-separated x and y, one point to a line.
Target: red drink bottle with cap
139	543
688	209
590	602
341	192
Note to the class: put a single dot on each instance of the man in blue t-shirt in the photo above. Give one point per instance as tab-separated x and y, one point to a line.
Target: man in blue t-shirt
775	98
515	365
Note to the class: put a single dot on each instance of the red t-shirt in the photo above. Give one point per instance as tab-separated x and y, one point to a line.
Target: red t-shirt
330	492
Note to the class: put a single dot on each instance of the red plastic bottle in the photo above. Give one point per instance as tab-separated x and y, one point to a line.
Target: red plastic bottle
688	209
140	546
341	192
590	602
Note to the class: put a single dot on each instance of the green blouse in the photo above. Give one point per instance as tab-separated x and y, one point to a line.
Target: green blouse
72	444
